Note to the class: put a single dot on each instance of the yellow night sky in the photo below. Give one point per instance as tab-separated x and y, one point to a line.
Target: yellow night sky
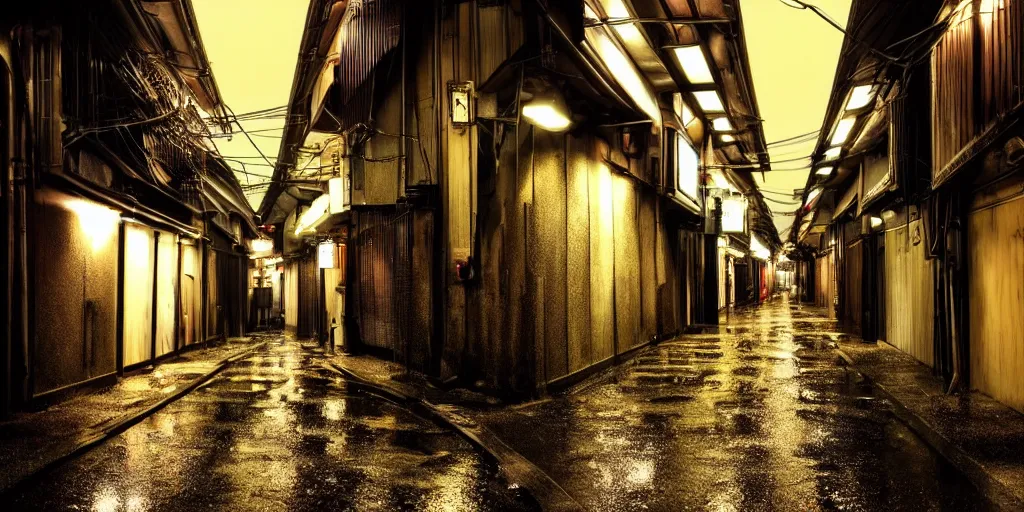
253	46
793	55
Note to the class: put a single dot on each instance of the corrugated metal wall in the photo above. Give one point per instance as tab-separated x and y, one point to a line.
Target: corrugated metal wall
909	297
383	246
995	253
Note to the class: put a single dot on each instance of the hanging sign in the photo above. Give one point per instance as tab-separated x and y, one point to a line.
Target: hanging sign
325	254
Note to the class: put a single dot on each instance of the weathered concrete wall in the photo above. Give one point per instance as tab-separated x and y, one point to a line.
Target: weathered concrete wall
75	290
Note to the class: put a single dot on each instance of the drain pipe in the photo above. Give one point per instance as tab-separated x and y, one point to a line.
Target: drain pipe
952	263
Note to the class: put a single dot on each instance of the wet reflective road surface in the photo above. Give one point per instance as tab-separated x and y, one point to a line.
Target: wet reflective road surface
759	417
276	432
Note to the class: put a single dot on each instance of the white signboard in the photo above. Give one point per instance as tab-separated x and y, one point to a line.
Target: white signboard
325	254
734	213
687	168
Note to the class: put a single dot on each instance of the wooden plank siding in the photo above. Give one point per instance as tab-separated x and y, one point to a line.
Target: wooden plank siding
853	290
977	75
995	259
824	284
910	303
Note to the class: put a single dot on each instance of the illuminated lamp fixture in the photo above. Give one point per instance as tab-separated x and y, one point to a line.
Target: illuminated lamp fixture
721	124
694	64
725	137
888	215
811	195
860	97
833	153
262	245
843	130
876	222
709	101
313	216
824	171
547	110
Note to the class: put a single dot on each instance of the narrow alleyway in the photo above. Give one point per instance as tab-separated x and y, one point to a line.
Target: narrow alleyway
276	431
758	417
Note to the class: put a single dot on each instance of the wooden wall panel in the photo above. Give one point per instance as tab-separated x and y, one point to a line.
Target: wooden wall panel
853	291
953	121
648	280
291	296
996	289
909	298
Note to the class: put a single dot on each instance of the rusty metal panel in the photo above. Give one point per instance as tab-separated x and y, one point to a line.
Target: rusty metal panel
909	297
995	254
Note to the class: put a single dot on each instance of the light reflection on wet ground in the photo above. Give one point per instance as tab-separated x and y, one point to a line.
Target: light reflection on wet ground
760	417
276	432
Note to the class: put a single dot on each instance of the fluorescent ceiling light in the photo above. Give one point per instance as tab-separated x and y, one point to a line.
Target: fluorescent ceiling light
314	215
860	97
833	153
843	130
709	101
824	171
725	137
813	194
546	116
624	72
694	64
721	124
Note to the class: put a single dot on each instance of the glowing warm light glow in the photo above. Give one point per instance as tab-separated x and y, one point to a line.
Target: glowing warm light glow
860	97
709	101
313	215
98	223
687	165
843	130
833	153
824	171
875	222
545	116
262	245
734	214
694	64
721	124
758	250
727	138
625	73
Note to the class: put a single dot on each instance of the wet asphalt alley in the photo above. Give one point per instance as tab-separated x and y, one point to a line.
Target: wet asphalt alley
759	417
276	431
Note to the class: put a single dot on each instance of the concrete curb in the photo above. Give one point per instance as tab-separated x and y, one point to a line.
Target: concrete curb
992	488
517	468
116	426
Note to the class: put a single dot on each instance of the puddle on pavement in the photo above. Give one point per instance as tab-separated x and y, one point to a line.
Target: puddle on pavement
277	432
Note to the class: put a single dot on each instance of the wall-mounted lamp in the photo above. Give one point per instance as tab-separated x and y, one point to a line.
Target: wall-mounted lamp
860	97
843	130
709	101
876	222
694	64
721	124
547	110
